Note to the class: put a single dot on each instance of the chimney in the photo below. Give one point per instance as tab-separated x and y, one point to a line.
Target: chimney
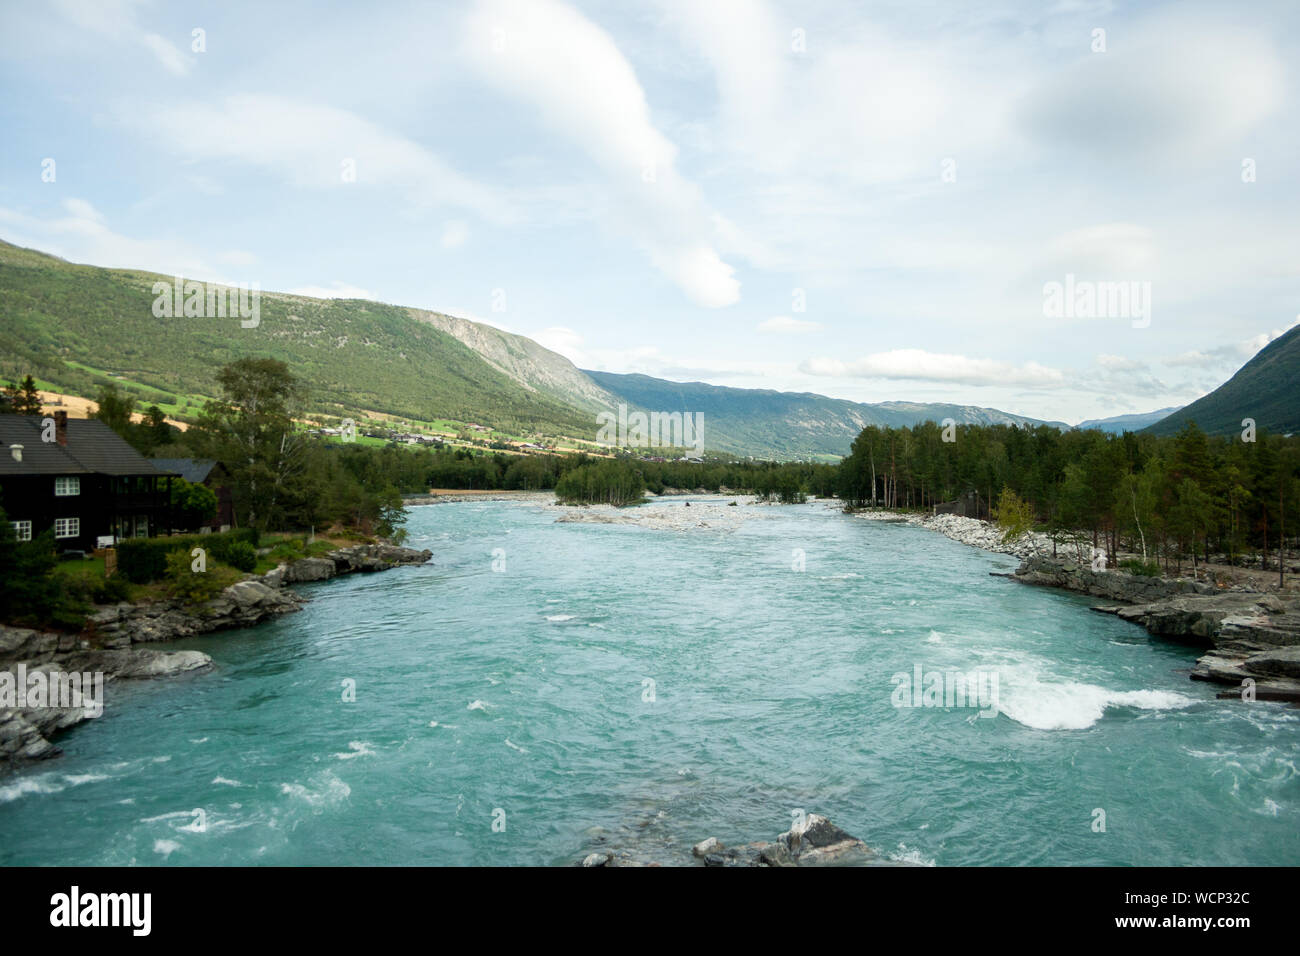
61	427
17	452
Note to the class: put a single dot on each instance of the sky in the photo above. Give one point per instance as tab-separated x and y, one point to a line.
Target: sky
866	200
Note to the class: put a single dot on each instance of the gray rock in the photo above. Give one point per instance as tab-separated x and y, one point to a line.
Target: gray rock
705	847
309	569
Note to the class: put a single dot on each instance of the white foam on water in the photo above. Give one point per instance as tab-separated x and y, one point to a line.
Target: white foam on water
224	782
904	855
48	783
557	618
187	814
165	847
42	784
358	748
1074	706
330	790
515	746
934	638
478	705
77	779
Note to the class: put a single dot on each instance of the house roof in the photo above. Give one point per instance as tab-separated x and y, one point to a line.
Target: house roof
92	448
194	470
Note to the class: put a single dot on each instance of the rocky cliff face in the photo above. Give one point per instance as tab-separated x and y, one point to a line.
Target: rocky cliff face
110	643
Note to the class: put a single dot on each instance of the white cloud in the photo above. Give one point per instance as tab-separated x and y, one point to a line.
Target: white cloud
920	365
1119	363
547	54
167	53
1171	88
1234	354
118	20
563	340
454	234
311	146
786	325
82	234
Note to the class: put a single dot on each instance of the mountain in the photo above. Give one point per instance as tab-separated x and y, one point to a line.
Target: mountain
1265	389
78	327
749	421
1135	422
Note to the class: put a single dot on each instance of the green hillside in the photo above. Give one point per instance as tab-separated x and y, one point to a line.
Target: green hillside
66	323
1267	389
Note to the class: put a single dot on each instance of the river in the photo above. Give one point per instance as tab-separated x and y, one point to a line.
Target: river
539	684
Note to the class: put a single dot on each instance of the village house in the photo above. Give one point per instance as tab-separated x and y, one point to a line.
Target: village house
85	483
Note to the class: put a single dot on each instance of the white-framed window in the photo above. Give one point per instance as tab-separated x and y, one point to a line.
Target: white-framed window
67	527
22	530
66	487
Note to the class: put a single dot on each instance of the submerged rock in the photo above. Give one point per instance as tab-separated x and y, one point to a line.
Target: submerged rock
813	842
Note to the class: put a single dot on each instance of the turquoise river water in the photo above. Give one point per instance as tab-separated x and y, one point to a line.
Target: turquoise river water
500	716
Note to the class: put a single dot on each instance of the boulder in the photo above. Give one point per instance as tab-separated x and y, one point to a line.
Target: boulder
309	569
705	847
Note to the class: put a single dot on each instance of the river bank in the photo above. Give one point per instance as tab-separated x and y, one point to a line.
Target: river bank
1252	635
110	644
971	531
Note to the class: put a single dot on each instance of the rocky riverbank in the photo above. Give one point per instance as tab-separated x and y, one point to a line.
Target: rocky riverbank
1253	637
814	841
971	531
109	644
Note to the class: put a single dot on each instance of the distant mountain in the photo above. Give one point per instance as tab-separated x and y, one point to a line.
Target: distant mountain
1128	423
1267	389
762	422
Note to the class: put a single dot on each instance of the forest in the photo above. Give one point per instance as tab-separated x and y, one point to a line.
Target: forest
1188	495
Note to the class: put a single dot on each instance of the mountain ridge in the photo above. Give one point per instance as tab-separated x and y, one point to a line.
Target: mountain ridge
1264	390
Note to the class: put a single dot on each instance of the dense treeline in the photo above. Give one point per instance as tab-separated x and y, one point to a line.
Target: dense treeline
460	468
1165	498
1188	495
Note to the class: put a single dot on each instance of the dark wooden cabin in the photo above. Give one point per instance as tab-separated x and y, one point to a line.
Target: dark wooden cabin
81	479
